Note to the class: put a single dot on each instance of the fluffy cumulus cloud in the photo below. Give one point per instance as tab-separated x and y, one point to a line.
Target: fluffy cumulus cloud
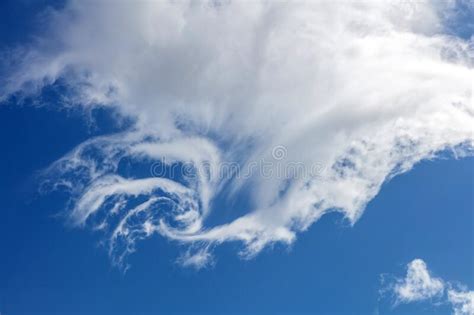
462	301
340	95
420	285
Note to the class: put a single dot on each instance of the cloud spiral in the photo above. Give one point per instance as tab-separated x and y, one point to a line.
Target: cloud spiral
363	88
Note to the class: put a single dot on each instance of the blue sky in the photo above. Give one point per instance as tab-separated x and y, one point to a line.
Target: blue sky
48	268
52	266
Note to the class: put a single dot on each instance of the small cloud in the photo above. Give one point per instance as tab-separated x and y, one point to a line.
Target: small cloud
419	285
196	259
462	302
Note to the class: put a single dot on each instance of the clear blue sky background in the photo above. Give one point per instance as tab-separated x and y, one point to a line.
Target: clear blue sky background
48	268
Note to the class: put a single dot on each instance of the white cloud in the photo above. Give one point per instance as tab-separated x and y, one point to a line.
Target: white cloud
197	259
420	285
365	89
462	301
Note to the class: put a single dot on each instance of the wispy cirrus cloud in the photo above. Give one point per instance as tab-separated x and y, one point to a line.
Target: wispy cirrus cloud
419	285
364	89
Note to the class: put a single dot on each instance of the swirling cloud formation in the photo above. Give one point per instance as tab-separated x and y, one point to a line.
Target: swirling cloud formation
358	91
